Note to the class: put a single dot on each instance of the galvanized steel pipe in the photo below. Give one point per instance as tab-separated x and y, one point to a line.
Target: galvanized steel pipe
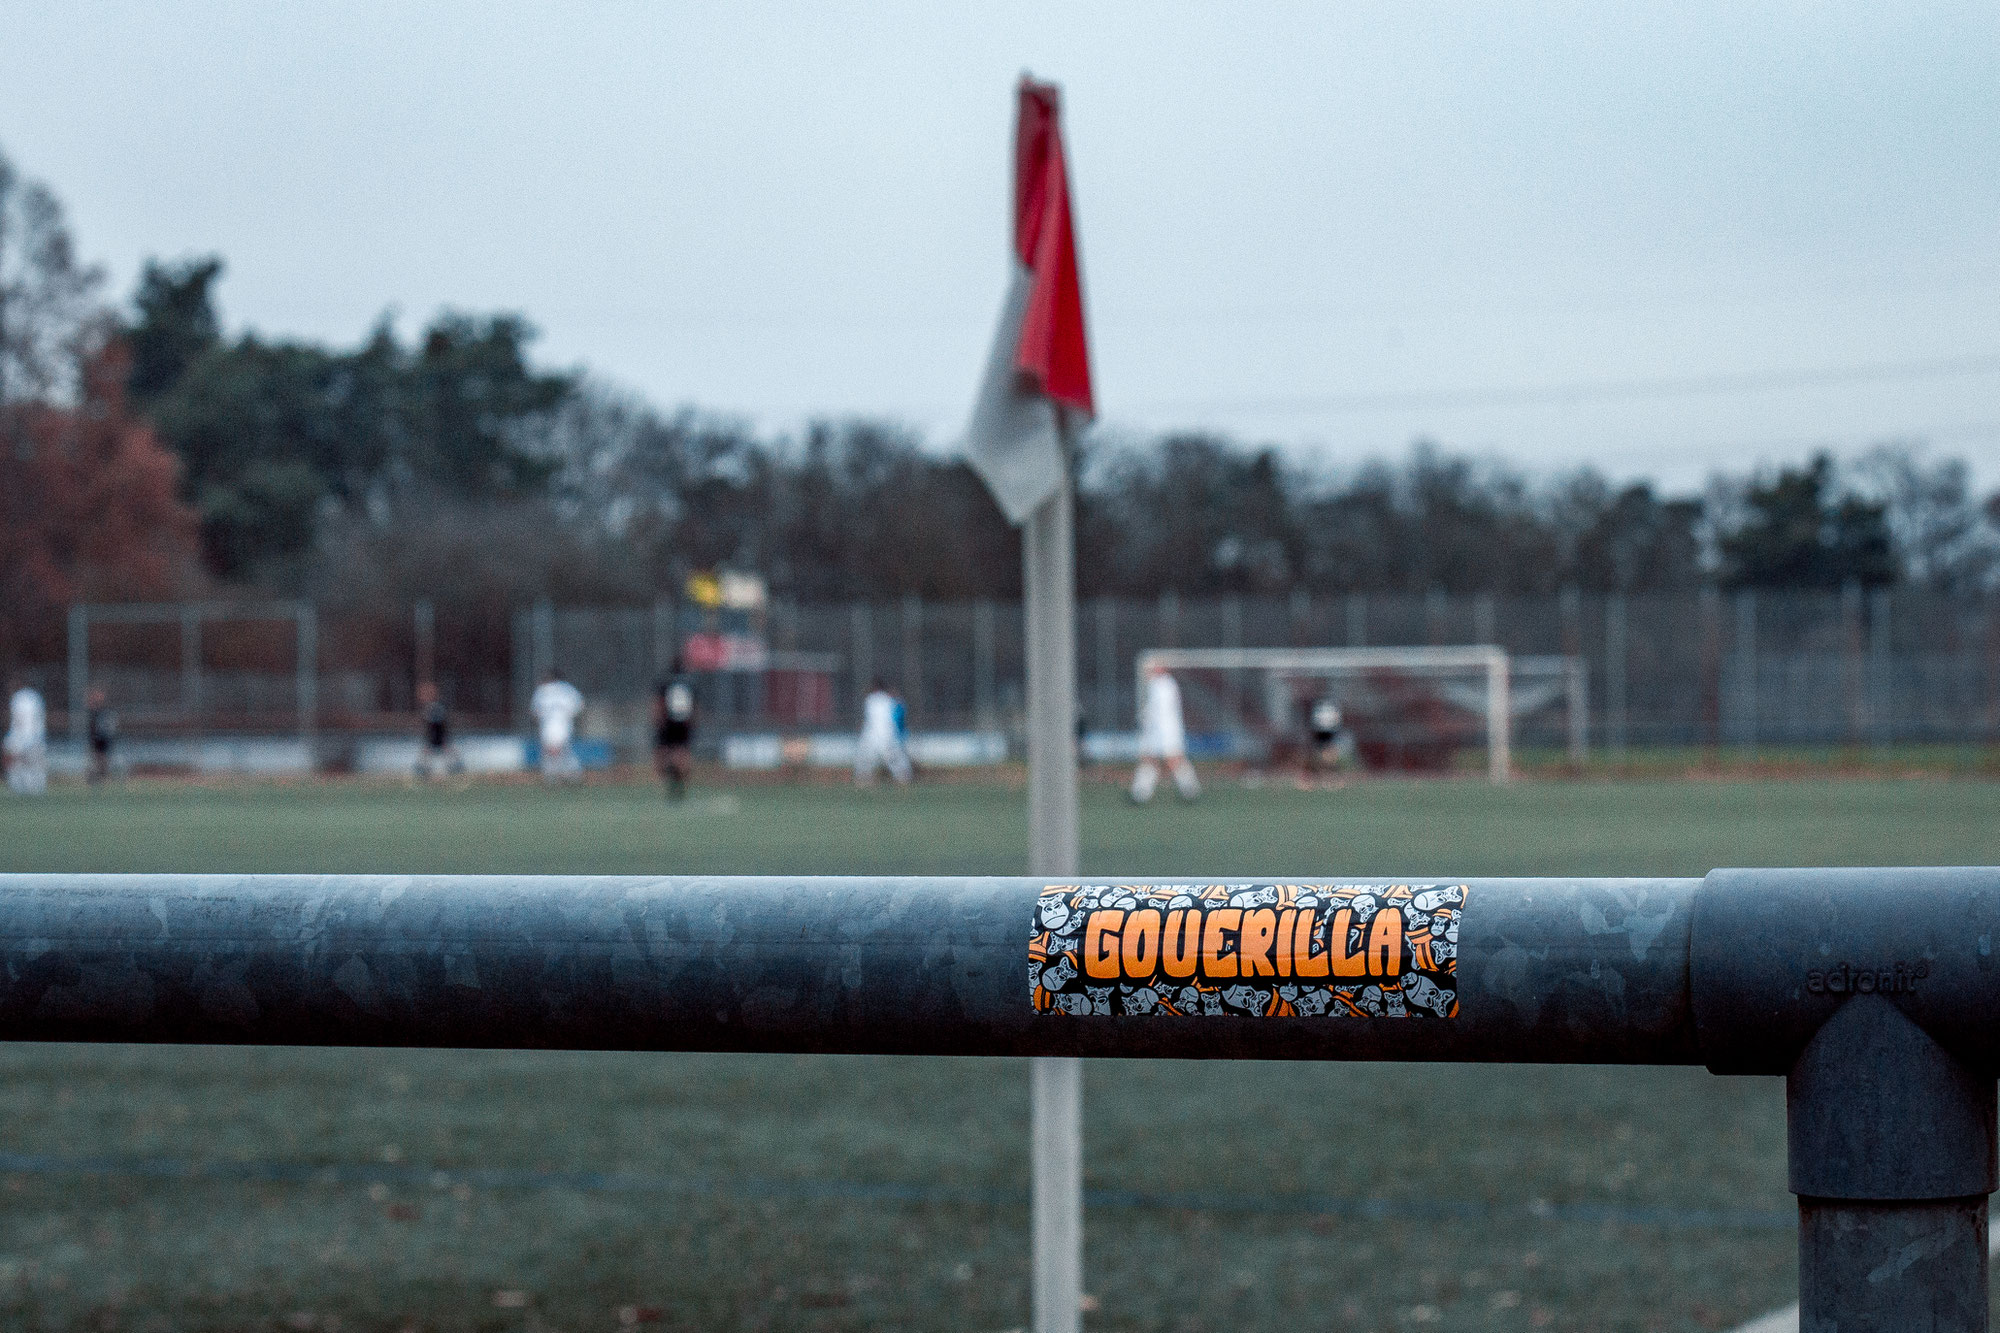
1546	969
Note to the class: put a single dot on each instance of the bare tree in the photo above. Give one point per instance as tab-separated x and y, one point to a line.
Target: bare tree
1944	540
49	316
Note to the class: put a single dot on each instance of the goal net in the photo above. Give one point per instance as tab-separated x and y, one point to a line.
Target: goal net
1405	709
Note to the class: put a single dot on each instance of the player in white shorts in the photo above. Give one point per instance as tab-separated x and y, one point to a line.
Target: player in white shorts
26	747
1162	739
556	705
881	744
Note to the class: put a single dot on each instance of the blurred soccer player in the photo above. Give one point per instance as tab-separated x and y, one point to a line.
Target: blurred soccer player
556	705
1162	739
26	747
673	730
881	743
1327	741
101	729
436	756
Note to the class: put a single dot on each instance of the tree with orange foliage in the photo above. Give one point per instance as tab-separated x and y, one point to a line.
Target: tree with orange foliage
88	510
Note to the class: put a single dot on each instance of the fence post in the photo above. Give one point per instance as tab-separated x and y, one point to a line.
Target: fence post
308	679
191	665
1483	627
663	635
913	655
1851	665
426	632
543	627
1990	623
1746	674
1710	613
1232	637
1881	683
79	671
1434	609
1107	664
1616	662
985	684
1579	711
861	650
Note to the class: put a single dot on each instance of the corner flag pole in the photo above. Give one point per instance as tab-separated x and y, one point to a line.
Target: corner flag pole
1055	1083
1035	393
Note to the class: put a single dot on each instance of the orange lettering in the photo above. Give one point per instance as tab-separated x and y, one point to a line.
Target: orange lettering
1304	960
1285	941
1182	951
1260	930
1142	943
1100	943
1345	964
1214	965
1385	944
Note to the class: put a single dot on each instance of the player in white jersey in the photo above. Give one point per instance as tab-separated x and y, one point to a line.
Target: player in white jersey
881	744
1162	739
556	705
26	747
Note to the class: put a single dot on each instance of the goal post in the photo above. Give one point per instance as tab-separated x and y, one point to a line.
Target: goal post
1471	685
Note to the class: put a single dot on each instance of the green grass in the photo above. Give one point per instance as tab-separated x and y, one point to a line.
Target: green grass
750	1238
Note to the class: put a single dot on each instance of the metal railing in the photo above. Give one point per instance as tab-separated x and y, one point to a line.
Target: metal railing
1874	992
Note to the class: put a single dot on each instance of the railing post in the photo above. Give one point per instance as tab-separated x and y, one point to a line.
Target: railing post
1891	1153
1871	991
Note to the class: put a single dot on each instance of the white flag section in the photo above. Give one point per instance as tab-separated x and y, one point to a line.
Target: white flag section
1014	441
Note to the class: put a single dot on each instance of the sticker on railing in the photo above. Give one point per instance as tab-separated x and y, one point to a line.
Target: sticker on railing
1247	950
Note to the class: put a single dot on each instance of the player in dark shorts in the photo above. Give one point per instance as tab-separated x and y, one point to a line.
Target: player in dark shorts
673	730
435	755
101	729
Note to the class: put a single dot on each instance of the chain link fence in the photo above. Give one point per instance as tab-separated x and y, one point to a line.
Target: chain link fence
1744	670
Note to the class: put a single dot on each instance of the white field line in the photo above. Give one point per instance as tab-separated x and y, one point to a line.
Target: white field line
1787	1319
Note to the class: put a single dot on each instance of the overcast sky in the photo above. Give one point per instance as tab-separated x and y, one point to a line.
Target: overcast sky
1552	233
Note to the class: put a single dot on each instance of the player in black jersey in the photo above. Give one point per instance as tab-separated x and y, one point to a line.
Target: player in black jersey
436	757
101	730
673	730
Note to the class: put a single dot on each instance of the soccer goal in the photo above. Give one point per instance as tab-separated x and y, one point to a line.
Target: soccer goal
1409	709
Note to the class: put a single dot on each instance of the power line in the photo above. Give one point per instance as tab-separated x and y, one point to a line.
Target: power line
1602	390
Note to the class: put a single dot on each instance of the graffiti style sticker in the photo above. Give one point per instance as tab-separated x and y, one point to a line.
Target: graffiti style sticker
1246	950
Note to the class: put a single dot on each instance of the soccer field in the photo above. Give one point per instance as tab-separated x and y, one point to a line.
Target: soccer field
216	1188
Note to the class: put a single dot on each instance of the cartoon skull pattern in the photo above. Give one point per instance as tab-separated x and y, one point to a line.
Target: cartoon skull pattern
1422	982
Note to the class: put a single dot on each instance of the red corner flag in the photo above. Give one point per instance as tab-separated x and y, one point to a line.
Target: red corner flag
1038	374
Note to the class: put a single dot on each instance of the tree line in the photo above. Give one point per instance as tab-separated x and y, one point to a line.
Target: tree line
148	451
